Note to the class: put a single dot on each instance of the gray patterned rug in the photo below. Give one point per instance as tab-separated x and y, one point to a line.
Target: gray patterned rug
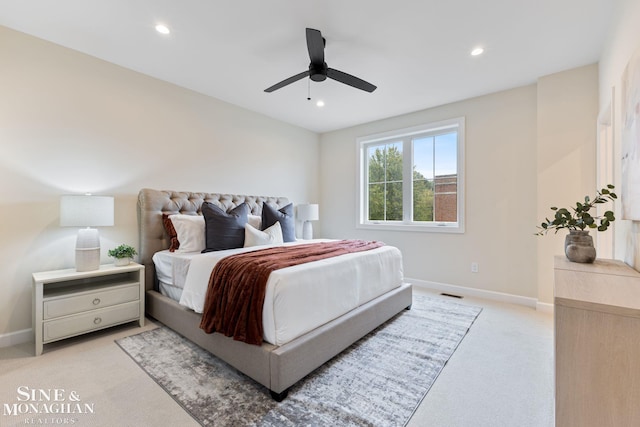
378	381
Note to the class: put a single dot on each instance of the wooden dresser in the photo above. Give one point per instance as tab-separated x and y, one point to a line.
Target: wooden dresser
597	344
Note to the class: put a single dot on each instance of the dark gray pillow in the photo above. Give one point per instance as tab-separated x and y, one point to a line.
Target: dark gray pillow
224	230
284	216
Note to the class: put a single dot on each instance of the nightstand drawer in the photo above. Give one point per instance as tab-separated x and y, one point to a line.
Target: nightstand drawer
81	302
94	320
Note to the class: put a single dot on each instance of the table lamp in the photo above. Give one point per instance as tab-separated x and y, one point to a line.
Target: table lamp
86	211
306	214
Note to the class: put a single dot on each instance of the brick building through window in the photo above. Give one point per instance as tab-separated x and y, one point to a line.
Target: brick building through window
445	199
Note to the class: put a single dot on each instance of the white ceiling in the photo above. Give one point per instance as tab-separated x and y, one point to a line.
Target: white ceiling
415	51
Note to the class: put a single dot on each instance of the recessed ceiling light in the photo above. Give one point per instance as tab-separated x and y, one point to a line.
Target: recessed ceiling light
162	29
320	103
477	51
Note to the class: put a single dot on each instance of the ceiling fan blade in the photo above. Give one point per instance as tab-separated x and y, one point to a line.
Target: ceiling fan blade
315	45
287	81
350	80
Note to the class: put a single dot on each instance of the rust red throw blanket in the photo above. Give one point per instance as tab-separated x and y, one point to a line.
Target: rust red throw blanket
238	283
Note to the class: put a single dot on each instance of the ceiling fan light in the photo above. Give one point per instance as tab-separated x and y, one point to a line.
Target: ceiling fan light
162	29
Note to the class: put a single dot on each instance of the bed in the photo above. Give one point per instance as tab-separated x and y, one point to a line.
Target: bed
276	366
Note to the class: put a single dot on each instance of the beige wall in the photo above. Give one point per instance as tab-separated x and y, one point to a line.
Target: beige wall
566	155
624	40
70	123
500	195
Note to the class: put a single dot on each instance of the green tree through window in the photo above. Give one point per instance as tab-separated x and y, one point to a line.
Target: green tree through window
385	183
385	186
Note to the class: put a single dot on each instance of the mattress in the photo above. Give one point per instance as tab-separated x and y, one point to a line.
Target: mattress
171	271
300	298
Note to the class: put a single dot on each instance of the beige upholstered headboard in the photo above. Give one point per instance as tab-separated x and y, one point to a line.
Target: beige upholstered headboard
153	203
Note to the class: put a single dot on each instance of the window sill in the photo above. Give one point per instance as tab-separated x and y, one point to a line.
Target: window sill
455	229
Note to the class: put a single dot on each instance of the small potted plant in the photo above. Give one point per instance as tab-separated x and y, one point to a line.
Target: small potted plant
578	245
123	254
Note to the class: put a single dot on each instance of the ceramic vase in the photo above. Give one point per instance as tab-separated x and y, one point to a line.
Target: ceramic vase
578	246
121	262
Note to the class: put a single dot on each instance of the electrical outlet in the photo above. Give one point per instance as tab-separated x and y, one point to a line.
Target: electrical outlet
474	267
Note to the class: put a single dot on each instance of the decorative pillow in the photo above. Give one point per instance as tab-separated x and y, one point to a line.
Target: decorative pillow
189	232
284	216
224	230
255	237
171	231
255	221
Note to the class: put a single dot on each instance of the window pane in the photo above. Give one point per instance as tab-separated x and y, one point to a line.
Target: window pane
376	202
422	200
385	181
446	178
394	201
376	156
446	198
423	158
423	179
446	154
394	162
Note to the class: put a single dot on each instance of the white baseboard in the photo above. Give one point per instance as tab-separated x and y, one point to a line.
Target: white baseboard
481	293
544	307
18	337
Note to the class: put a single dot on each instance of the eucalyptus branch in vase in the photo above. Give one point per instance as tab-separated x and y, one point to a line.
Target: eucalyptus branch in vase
579	217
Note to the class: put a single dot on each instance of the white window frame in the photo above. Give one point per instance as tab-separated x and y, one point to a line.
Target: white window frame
406	135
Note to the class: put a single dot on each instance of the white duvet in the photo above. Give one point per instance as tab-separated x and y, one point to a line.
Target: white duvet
300	298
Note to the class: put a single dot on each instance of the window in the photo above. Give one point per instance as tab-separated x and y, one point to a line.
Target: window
412	179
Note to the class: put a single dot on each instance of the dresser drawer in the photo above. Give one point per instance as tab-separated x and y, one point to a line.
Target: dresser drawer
85	301
86	322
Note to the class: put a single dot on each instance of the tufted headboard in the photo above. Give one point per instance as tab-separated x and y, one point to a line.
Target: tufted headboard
153	203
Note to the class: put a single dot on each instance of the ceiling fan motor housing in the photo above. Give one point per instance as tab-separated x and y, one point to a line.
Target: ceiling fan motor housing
318	74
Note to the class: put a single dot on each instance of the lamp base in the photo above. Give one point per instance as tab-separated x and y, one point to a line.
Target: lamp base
88	250
307	230
87	259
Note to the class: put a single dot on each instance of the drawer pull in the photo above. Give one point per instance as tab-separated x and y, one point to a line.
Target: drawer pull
96	301
97	321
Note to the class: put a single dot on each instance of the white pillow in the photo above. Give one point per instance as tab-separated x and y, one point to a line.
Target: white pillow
190	231
255	221
255	237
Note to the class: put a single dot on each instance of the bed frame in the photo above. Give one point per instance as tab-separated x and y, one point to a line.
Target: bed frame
275	367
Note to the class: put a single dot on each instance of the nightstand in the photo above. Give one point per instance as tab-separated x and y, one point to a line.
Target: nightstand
67	303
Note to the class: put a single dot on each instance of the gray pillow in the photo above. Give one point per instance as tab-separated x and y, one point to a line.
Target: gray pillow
224	230
284	216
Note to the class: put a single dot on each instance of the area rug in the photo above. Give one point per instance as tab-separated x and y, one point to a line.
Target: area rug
378	381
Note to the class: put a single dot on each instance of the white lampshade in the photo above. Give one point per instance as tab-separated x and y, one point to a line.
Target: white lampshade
306	214
87	211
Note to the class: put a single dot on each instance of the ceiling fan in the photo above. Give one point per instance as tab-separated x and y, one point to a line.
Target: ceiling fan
318	70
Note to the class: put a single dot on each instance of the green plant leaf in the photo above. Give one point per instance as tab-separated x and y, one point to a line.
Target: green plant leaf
579	217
